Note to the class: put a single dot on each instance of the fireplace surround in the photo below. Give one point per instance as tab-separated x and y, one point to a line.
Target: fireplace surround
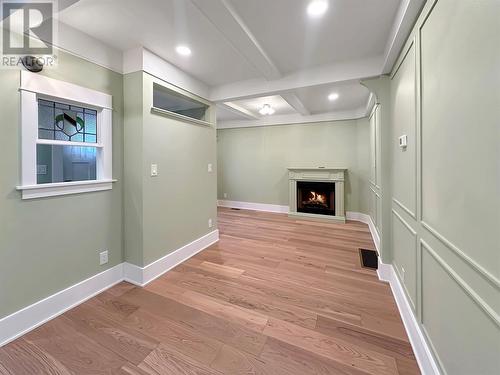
317	193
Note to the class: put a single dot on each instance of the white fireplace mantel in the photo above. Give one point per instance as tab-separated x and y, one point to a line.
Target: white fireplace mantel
318	174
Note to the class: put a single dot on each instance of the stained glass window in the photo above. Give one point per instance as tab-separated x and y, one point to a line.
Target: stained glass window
64	122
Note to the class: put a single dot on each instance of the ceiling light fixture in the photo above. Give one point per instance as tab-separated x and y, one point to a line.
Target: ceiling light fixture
183	50
333	96
317	8
266	110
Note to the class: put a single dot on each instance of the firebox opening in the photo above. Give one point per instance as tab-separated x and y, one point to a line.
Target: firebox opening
316	197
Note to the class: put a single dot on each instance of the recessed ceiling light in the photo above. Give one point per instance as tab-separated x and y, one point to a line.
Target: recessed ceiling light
317	8
333	96
266	110
183	50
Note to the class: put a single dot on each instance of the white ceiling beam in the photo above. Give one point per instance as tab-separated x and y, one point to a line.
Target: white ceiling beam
336	73
295	103
225	18
294	119
240	111
406	16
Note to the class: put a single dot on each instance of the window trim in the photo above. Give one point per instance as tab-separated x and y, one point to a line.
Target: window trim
34	87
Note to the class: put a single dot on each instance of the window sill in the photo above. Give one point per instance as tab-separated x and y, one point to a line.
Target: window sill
177	116
64	188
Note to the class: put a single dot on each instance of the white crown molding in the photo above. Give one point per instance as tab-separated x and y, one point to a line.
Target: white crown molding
84	46
141	59
21	322
142	276
253	206
406	16
295	118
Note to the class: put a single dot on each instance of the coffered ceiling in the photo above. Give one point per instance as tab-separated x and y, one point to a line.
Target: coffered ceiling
255	52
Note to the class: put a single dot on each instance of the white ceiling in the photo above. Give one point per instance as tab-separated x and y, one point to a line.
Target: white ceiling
160	25
352	96
350	29
254	51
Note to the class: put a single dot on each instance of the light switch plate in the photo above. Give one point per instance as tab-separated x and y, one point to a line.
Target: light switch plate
210	224
403	141
103	257
154	170
209	167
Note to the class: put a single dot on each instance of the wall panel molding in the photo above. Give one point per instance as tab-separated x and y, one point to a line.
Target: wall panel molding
417	303
494	281
405	209
487	309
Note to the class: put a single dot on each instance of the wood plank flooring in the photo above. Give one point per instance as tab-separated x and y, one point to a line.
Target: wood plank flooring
274	296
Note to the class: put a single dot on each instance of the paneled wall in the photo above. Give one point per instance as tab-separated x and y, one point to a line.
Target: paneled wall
443	189
375	200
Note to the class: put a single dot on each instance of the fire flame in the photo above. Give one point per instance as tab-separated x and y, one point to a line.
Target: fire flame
317	198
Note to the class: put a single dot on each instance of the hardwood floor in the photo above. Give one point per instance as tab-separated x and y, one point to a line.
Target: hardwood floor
274	296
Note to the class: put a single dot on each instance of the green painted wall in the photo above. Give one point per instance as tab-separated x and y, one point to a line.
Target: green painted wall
164	213
442	192
52	243
133	161
252	162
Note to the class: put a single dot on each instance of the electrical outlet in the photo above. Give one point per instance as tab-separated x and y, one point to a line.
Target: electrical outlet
103	257
403	273
154	170
209	168
210	224
225	195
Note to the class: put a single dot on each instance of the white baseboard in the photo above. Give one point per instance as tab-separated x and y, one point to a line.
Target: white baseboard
23	321
143	275
364	218
423	353
253	206
30	317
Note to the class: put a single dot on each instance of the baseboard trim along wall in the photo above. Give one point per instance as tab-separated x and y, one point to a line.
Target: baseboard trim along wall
423	353
30	317
364	218
141	276
253	206
27	319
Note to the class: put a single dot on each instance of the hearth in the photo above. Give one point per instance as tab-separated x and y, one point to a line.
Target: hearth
316	197
317	193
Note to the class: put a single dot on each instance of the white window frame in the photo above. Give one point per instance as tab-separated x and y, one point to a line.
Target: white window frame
34	87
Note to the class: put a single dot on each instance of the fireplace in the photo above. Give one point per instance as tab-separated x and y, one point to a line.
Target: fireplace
317	193
314	197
